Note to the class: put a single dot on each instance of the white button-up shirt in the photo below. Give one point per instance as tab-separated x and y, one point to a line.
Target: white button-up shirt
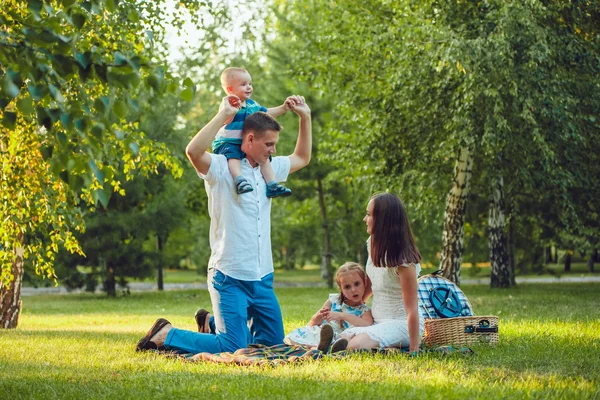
240	225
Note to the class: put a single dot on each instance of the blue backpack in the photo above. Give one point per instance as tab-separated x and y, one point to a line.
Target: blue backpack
441	298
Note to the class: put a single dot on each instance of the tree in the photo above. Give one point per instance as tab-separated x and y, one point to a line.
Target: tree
424	82
70	74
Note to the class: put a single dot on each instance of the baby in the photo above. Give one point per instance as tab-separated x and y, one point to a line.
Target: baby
237	83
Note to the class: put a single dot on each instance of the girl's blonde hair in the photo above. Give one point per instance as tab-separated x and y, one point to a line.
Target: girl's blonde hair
346	268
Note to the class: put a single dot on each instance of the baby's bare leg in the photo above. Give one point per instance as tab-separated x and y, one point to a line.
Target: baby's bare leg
267	172
241	184
235	167
274	188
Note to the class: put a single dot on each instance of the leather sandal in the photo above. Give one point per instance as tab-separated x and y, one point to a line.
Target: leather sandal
145	343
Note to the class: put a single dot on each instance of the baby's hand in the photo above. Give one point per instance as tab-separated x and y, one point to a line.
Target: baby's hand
292	101
231	104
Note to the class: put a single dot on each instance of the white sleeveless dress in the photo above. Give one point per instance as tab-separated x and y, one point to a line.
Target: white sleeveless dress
390	327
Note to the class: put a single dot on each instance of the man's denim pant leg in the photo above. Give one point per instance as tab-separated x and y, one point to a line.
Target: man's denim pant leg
235	302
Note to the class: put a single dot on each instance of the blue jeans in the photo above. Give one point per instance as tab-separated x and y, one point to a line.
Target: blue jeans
245	312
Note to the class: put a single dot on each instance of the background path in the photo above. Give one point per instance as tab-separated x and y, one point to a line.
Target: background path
146	286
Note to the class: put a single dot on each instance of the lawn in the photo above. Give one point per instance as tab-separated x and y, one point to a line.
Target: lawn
81	346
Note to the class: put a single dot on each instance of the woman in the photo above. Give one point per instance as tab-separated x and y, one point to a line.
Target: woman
393	267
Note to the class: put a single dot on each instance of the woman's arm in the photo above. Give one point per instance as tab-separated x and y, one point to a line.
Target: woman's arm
408	283
318	318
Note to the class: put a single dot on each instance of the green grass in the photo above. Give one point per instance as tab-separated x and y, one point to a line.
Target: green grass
311	274
578	269
81	346
308	274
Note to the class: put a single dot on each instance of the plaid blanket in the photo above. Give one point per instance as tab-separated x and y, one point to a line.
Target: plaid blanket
284	354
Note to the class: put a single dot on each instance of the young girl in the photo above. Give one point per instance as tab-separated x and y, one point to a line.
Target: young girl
341	311
392	267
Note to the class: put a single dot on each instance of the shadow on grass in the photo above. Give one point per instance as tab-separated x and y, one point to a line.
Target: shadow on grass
190	381
574	357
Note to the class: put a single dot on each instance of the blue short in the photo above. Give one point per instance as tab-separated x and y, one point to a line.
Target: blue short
230	150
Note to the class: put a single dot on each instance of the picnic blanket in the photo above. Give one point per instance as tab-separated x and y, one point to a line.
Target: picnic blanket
281	354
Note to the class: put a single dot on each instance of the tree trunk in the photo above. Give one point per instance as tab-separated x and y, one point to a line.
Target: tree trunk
568	262
454	217
592	260
111	282
159	243
10	296
326	272
511	249
496	237
548	259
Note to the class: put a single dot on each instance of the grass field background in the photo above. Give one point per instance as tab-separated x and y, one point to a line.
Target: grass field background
311	274
82	346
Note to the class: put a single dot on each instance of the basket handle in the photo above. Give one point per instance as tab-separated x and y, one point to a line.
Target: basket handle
473	329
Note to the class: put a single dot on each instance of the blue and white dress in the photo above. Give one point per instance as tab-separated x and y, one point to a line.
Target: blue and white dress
310	335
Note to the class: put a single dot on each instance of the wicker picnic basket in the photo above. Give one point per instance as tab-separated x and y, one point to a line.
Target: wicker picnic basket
449	317
461	330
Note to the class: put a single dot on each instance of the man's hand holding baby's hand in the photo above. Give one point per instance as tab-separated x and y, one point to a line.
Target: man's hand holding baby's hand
289	102
231	104
298	105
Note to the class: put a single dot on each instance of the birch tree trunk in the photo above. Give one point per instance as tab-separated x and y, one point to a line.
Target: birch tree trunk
326	272
10	296
497	237
160	279
454	217
511	249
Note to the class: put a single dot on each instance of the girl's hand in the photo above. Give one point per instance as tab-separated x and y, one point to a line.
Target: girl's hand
334	316
324	310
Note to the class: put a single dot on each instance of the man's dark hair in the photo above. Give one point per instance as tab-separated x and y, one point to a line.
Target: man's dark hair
260	122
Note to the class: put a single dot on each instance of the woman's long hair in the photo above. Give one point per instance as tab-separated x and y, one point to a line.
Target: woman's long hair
392	241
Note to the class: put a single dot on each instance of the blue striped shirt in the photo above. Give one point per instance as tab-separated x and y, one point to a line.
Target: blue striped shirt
232	132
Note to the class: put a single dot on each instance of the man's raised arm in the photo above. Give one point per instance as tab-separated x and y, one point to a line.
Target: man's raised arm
301	155
196	148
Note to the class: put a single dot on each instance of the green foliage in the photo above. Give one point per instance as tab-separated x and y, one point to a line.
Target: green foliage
71	75
415	81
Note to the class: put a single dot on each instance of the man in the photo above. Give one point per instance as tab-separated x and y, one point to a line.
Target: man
240	270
